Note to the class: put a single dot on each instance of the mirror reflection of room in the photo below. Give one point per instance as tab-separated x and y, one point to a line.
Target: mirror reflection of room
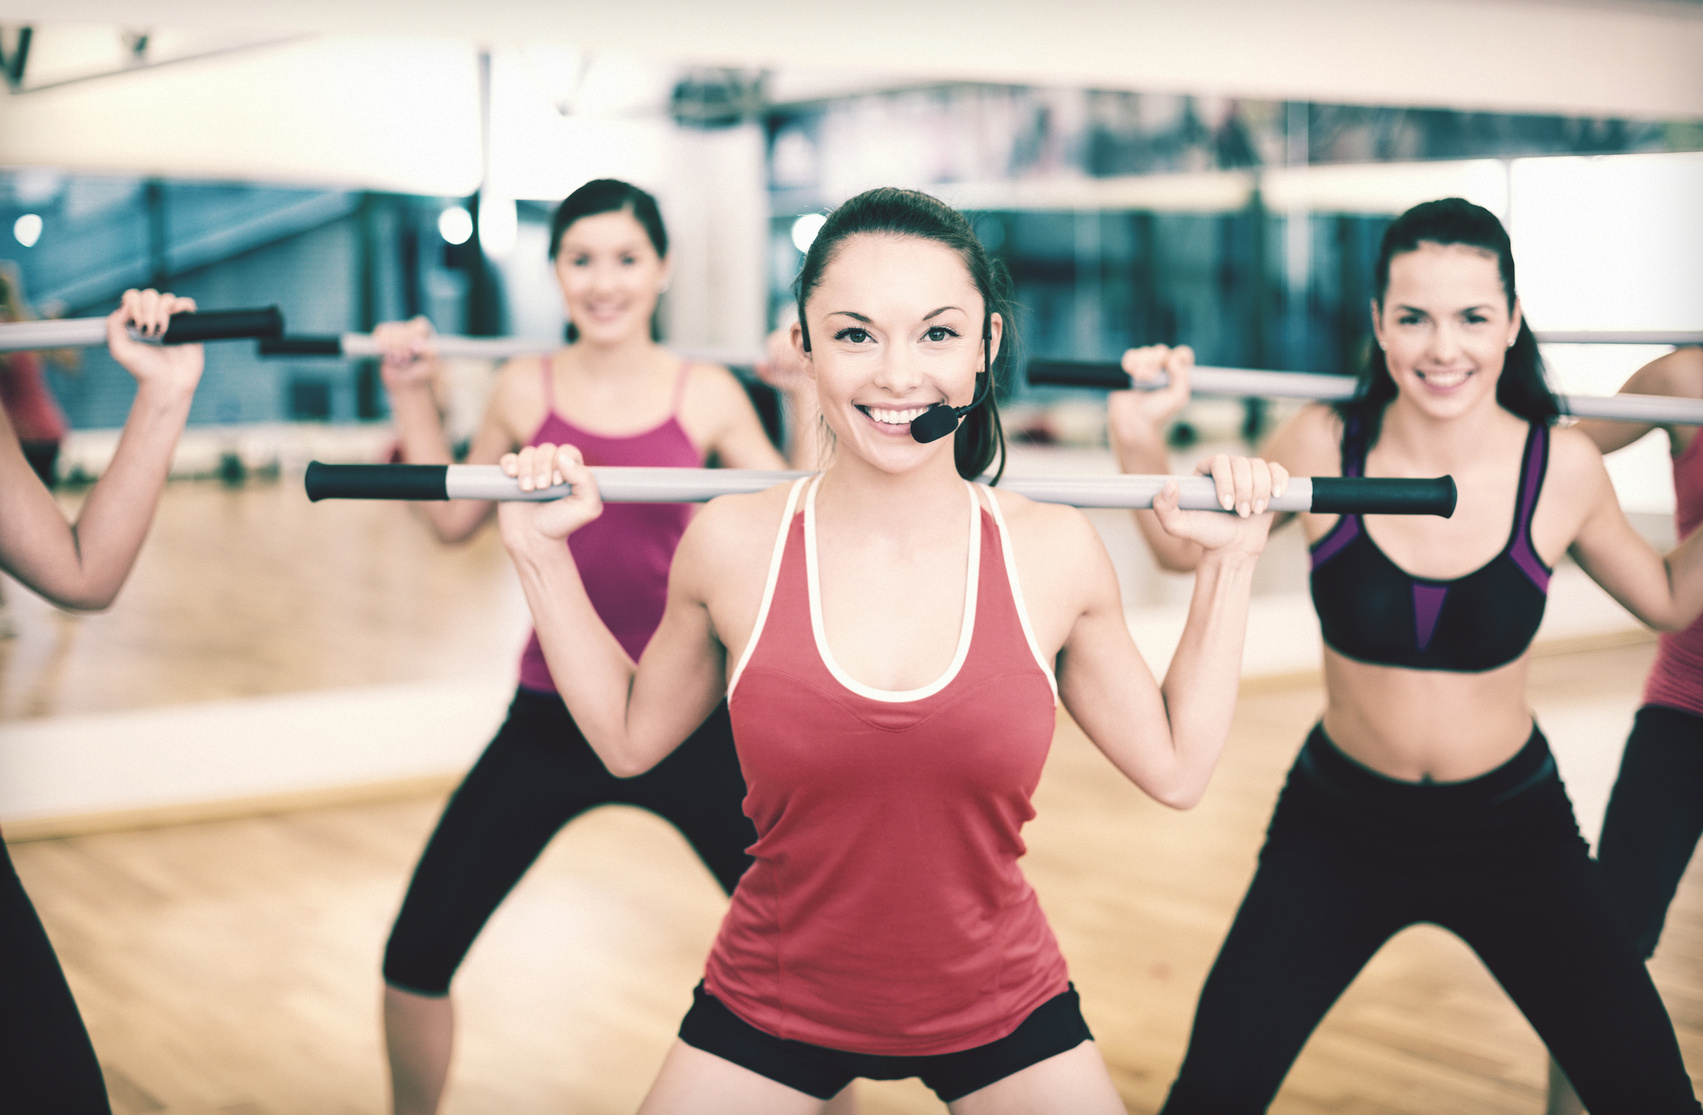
1125	561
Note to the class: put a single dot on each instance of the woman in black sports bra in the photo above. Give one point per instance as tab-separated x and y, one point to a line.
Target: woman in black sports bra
1426	793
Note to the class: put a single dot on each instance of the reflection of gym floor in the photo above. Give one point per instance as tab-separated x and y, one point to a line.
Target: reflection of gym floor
232	966
272	654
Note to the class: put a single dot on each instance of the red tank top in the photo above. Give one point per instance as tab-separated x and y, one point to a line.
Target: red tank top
29	404
1676	680
885	912
623	555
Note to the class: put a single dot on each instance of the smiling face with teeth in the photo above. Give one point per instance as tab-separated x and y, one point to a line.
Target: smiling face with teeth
895	328
610	275
1445	325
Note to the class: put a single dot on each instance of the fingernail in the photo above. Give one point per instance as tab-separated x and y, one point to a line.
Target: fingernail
1243	509
1226	501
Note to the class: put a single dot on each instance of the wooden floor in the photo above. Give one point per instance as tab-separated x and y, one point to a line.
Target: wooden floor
232	966
253	591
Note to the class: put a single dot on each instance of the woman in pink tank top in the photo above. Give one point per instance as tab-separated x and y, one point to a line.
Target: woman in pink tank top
1655	814
621	399
893	642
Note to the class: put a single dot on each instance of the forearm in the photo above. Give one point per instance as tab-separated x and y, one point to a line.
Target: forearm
1178	555
592	672
1685	582
421	441
1200	687
110	529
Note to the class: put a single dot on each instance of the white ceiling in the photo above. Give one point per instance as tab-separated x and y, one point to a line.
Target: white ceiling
1593	57
385	94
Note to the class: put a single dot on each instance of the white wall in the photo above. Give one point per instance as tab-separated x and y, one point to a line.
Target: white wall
717	206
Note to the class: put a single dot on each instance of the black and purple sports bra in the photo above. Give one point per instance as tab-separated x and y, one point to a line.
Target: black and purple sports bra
1372	611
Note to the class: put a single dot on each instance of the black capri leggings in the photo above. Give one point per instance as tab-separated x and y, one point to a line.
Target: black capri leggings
538	774
1655	817
1352	857
46	1061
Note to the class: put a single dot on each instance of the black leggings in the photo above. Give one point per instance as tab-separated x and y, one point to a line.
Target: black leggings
538	774
1352	857
46	1061
1655	817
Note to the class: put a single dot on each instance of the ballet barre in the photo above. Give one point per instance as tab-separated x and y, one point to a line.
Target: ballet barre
184	329
358	345
1323	494
1661	410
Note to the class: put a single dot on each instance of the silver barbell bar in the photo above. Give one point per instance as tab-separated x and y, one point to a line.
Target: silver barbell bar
1661	410
1327	494
362	345
354	345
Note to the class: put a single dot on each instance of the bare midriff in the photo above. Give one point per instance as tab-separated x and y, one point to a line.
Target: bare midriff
1426	725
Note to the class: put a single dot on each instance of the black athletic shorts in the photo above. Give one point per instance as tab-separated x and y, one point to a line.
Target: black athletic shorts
1054	1027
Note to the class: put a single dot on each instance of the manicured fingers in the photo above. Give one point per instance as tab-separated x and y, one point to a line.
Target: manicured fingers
149	312
403	342
1145	364
544	466
1245	485
1179	362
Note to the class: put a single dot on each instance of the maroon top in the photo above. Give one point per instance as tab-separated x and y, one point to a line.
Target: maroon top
885	912
623	555
1676	680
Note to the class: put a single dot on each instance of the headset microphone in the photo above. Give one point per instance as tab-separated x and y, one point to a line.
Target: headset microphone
940	419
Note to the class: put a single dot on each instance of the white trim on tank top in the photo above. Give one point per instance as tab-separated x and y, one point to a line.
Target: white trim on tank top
1017	592
966	630
769	585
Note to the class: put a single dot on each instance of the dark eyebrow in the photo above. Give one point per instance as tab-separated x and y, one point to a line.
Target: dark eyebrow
937	313
851	314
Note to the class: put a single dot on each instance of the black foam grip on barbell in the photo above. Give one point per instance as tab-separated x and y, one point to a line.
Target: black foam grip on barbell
301	346
223	325
1078	373
1378	495
366	482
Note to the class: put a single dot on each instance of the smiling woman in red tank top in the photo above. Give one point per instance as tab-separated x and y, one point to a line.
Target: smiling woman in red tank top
893	641
622	399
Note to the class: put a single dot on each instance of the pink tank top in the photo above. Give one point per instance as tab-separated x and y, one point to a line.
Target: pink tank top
1676	680
29	404
624	554
885	912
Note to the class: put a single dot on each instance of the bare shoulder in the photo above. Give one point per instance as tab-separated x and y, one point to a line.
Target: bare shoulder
1575	462
1309	443
1679	373
521	376
1051	537
712	384
736	530
517	396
